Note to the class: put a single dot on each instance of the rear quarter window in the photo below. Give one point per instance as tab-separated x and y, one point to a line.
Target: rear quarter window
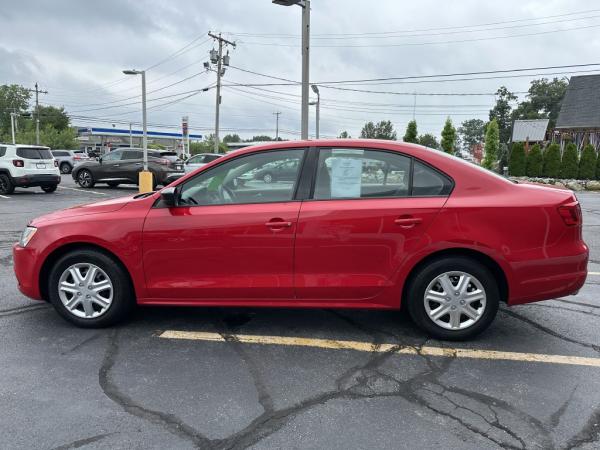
2	151
427	181
34	153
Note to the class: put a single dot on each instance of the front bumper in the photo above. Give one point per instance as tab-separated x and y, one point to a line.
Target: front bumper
36	180
24	259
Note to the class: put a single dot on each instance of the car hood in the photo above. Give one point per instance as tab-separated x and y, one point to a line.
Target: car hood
83	210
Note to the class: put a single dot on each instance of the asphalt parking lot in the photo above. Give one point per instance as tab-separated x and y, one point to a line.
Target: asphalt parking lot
274	378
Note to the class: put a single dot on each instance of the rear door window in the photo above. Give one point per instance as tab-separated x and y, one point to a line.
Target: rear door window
132	154
427	181
2	151
115	155
34	153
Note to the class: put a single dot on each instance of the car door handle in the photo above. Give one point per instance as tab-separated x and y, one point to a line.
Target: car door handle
408	222
278	224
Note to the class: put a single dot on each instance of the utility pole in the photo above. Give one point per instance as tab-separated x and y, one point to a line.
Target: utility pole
37	112
315	89
414	105
12	126
130	136
219	60
277	114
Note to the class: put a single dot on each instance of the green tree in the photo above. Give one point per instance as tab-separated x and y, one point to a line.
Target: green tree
411	132
429	140
544	99
471	132
534	162
380	130
598	168
503	156
344	135
551	166
569	164
13	98
49	136
587	164
492	143
448	137
260	138
207	146
232	138
502	112
516	164
55	117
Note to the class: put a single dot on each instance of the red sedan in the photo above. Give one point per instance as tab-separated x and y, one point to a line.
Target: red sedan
354	224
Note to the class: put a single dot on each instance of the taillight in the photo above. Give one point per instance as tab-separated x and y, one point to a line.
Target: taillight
55	163
18	163
570	213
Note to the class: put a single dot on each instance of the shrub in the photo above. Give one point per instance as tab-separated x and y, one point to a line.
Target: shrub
587	164
448	137
534	162
411	132
516	164
492	142
569	166
551	161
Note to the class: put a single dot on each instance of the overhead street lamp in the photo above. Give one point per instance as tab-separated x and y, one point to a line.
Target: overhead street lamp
315	89
145	178
305	5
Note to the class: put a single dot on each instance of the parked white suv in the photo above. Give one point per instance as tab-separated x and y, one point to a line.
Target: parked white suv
27	166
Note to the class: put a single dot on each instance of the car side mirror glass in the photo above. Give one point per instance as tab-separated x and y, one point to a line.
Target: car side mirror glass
169	196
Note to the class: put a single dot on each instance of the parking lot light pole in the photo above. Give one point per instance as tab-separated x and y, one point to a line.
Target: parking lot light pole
315	89
305	5
145	177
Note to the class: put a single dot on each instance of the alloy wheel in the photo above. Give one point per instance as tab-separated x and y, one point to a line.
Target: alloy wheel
85	178
85	290
455	300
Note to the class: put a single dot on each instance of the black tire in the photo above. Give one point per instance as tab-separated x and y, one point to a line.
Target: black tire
420	281
123	300
6	185
85	179
65	168
112	184
49	188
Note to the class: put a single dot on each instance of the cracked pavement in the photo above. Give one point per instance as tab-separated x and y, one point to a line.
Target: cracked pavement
64	388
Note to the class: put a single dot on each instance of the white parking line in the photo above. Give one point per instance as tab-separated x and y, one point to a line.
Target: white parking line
83	190
444	352
4	196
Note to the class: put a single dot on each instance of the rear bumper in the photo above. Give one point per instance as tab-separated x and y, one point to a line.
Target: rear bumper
550	278
36	180
24	259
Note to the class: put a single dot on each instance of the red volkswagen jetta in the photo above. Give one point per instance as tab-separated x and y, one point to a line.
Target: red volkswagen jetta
326	223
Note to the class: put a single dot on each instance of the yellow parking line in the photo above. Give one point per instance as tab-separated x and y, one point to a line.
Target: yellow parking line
382	348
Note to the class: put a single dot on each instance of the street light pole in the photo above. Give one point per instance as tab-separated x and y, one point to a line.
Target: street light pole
12	126
315	89
305	4
145	178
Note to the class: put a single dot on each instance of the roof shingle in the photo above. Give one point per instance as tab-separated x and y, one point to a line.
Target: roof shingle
581	104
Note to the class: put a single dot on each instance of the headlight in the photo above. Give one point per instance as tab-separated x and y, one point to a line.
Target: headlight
26	236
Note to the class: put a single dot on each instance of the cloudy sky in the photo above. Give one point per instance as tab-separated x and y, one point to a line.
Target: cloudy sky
77	49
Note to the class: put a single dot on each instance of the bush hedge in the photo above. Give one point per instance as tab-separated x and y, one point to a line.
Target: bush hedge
569	164
517	164
587	164
534	162
552	161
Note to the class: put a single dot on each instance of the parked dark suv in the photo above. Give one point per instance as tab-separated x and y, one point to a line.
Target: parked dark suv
124	164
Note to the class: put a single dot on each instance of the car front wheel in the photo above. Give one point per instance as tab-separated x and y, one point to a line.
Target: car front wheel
88	288
453	298
85	179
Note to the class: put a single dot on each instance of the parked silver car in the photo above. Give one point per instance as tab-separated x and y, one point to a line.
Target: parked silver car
199	160
67	159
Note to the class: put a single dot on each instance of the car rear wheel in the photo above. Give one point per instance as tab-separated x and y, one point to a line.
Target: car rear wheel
49	188
89	289
85	179
6	186
453	298
65	168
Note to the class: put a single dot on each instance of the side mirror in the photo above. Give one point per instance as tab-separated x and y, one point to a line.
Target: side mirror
169	196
